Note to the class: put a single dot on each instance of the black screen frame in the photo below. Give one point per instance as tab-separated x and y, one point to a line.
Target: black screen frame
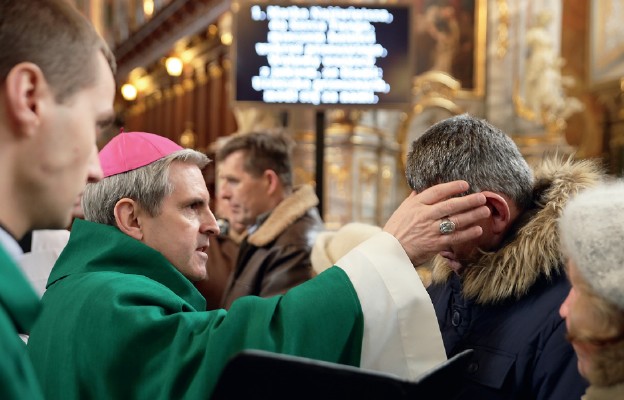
398	65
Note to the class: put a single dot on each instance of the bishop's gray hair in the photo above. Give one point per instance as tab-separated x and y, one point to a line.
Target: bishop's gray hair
148	186
471	149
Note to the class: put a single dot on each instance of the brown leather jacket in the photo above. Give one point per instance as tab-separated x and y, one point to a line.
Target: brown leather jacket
276	257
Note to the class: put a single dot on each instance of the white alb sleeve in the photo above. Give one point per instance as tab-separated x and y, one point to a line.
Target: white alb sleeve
401	333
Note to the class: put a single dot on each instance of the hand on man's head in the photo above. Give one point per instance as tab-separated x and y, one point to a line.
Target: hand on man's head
416	223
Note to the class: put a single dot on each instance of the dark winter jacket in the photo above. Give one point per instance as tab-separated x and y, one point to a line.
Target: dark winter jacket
276	257
505	306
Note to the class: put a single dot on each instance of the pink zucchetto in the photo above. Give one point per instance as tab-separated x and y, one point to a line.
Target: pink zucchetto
132	150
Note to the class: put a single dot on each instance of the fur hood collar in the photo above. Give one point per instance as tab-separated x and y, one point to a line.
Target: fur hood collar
532	247
288	211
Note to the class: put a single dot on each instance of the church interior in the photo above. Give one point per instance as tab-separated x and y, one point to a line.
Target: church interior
547	72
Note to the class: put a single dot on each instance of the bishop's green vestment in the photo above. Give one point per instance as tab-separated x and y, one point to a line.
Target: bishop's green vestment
119	321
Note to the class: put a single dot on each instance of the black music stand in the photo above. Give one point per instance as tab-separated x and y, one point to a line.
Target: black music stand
254	374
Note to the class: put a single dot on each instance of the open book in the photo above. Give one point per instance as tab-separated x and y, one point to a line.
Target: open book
254	374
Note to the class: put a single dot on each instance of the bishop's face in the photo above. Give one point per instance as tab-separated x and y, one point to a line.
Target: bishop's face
181	230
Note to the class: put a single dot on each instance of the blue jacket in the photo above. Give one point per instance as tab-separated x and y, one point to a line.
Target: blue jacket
520	346
505	305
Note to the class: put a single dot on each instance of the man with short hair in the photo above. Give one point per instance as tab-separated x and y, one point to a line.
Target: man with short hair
123	319
499	293
256	176
56	93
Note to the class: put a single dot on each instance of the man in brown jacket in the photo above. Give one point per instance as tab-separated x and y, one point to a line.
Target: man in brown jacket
256	179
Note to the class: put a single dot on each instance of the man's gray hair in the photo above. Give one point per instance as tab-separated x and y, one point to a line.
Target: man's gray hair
148	186
468	148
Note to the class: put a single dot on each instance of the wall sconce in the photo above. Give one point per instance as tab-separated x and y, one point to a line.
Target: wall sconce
226	38
174	66
148	8
188	137
129	92
225	28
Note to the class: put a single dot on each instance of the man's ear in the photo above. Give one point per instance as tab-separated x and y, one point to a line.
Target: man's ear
272	180
500	212
127	219
26	89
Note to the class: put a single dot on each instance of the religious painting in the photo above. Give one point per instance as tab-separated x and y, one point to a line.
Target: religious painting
606	41
449	37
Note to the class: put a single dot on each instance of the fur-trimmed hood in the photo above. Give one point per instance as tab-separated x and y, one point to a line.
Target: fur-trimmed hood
532	247
288	211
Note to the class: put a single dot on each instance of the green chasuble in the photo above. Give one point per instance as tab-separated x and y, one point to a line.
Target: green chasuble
119	321
19	306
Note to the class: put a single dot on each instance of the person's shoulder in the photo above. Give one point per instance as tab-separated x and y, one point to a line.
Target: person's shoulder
302	232
108	283
549	292
311	219
112	290
332	245
50	239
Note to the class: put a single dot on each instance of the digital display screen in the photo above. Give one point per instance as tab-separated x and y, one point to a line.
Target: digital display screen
322	55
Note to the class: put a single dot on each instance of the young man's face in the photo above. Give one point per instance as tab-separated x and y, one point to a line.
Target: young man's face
63	155
181	230
247	195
